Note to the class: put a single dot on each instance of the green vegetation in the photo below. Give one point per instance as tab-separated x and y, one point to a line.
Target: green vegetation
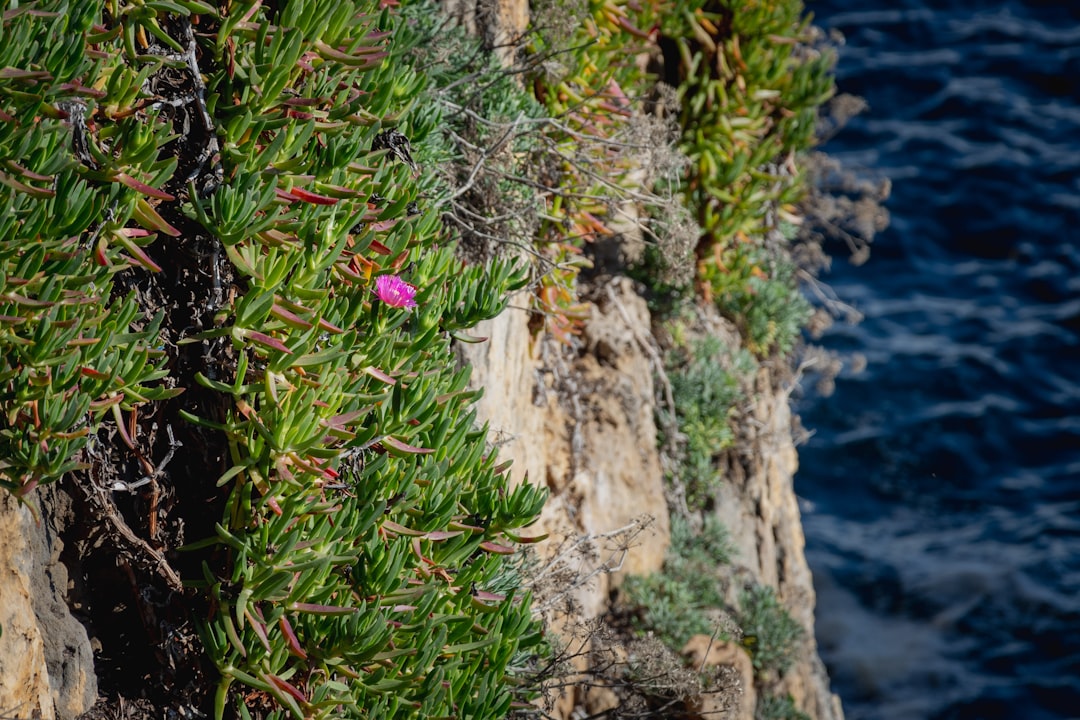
684	598
673	603
359	567
707	382
379	599
758	290
231	269
770	634
678	602
74	353
750	83
583	70
774	707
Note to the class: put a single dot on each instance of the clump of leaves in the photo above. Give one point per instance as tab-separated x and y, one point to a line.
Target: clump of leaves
674	602
757	289
751	81
707	383
600	152
775	707
770	634
71	353
358	568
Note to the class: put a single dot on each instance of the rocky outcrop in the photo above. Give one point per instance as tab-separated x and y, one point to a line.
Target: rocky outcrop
701	652
758	506
582	424
577	421
46	663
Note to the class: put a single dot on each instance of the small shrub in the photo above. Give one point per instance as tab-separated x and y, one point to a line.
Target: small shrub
668	266
757	290
706	386
657	673
770	634
601	152
673	603
752	77
488	134
775	707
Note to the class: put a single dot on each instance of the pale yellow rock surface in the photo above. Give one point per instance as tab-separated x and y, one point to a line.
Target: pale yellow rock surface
582	425
24	680
758	506
46	665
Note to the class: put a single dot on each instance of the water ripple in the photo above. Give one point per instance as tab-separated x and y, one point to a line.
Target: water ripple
942	485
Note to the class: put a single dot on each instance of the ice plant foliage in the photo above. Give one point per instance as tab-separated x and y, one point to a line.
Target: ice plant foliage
395	292
359	568
753	76
74	351
364	508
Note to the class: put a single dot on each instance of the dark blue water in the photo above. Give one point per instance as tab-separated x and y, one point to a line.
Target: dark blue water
942	486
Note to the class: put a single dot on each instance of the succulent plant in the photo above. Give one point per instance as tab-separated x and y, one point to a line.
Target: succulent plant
751	79
253	164
73	350
223	248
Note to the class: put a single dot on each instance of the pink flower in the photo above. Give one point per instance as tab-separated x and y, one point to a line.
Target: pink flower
395	292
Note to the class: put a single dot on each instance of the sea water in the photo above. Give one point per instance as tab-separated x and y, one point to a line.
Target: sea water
941	486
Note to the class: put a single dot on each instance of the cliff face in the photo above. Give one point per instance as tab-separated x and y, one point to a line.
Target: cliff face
758	506
580	423
46	663
584	426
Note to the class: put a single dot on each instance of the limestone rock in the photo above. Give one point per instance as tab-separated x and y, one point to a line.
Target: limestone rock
46	663
584	426
758	506
599	701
